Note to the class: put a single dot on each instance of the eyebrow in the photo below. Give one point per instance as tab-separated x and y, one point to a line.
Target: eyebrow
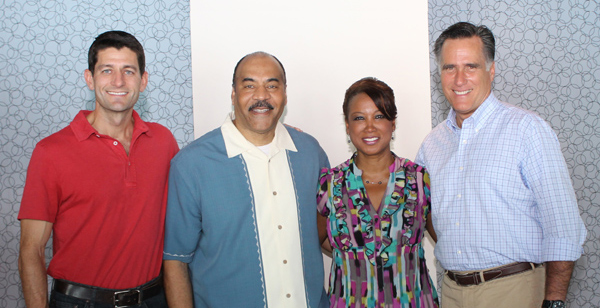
112	66
250	79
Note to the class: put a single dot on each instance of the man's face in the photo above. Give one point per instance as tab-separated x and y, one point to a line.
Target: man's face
465	81
259	98
117	80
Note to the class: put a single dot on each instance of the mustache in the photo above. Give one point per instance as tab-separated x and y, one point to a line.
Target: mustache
260	104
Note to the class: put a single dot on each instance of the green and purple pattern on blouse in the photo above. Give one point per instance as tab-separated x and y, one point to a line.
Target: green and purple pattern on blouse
378	257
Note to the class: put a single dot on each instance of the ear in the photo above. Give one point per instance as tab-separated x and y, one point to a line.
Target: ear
347	127
492	71
232	95
394	125
89	79
144	82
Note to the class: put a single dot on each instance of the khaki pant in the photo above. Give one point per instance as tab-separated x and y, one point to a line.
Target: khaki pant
523	290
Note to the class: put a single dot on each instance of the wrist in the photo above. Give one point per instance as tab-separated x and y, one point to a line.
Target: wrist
553	304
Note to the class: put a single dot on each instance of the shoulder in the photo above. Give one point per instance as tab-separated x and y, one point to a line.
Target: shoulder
523	122
335	172
61	140
409	165
159	129
209	144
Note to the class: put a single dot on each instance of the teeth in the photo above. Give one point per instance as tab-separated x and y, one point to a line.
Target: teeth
257	110
462	92
371	139
117	93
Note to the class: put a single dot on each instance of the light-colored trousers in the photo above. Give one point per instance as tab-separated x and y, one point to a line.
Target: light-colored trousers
524	290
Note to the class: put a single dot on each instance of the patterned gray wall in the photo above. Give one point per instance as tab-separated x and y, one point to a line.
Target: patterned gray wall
548	61
43	53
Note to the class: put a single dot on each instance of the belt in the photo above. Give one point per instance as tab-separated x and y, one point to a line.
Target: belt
476	278
118	298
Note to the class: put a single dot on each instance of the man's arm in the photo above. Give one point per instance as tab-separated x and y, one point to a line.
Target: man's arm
178	286
32	265
558	275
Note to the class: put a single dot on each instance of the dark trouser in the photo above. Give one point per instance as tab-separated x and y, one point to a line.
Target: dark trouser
59	300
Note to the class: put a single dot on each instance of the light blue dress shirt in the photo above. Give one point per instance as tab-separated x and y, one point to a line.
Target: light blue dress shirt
500	190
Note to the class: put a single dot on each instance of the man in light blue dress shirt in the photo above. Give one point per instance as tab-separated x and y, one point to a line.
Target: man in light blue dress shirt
504	209
241	214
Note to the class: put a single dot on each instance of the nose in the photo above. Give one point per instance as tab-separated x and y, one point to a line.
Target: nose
261	93
370	125
460	77
118	80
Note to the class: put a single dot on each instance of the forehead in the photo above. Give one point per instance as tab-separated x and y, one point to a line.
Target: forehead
361	102
111	55
471	48
259	67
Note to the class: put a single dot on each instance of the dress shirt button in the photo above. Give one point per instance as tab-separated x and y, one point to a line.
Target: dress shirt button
457	224
115	143
284	261
98	136
458	196
464	141
459	252
461	168
288	295
279	227
274	193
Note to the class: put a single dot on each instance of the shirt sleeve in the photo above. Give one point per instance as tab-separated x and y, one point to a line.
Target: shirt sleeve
545	173
183	224
41	196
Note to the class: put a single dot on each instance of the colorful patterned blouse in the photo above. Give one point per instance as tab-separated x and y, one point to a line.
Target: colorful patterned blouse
378	258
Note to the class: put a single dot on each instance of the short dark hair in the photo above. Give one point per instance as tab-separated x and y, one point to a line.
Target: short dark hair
258	53
118	40
467	30
381	94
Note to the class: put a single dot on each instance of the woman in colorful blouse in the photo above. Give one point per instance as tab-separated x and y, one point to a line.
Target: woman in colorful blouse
375	208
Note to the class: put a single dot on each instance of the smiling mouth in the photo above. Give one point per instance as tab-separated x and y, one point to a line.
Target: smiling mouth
371	140
462	92
261	107
117	93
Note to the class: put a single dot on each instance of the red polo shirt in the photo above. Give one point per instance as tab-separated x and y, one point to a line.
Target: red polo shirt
107	208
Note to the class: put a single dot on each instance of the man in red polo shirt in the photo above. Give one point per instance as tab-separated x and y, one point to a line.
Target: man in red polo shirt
99	186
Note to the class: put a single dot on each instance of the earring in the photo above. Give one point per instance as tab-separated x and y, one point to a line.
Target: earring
393	135
348	139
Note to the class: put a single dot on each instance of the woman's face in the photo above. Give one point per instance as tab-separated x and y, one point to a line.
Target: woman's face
367	127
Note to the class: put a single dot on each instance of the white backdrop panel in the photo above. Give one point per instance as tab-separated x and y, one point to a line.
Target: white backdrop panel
325	46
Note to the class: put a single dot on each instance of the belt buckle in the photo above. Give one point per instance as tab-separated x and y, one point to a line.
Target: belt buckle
122	300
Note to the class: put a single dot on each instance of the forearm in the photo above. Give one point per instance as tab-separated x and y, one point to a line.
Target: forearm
178	287
558	275
34	279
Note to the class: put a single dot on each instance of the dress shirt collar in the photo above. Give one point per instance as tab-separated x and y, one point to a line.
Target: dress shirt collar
83	129
236	143
478	118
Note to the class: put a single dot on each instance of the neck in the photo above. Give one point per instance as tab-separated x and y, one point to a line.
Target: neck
257	138
115	125
374	163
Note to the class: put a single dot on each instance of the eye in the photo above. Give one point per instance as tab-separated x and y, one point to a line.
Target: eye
129	72
105	71
358	118
272	86
379	116
249	86
448	68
